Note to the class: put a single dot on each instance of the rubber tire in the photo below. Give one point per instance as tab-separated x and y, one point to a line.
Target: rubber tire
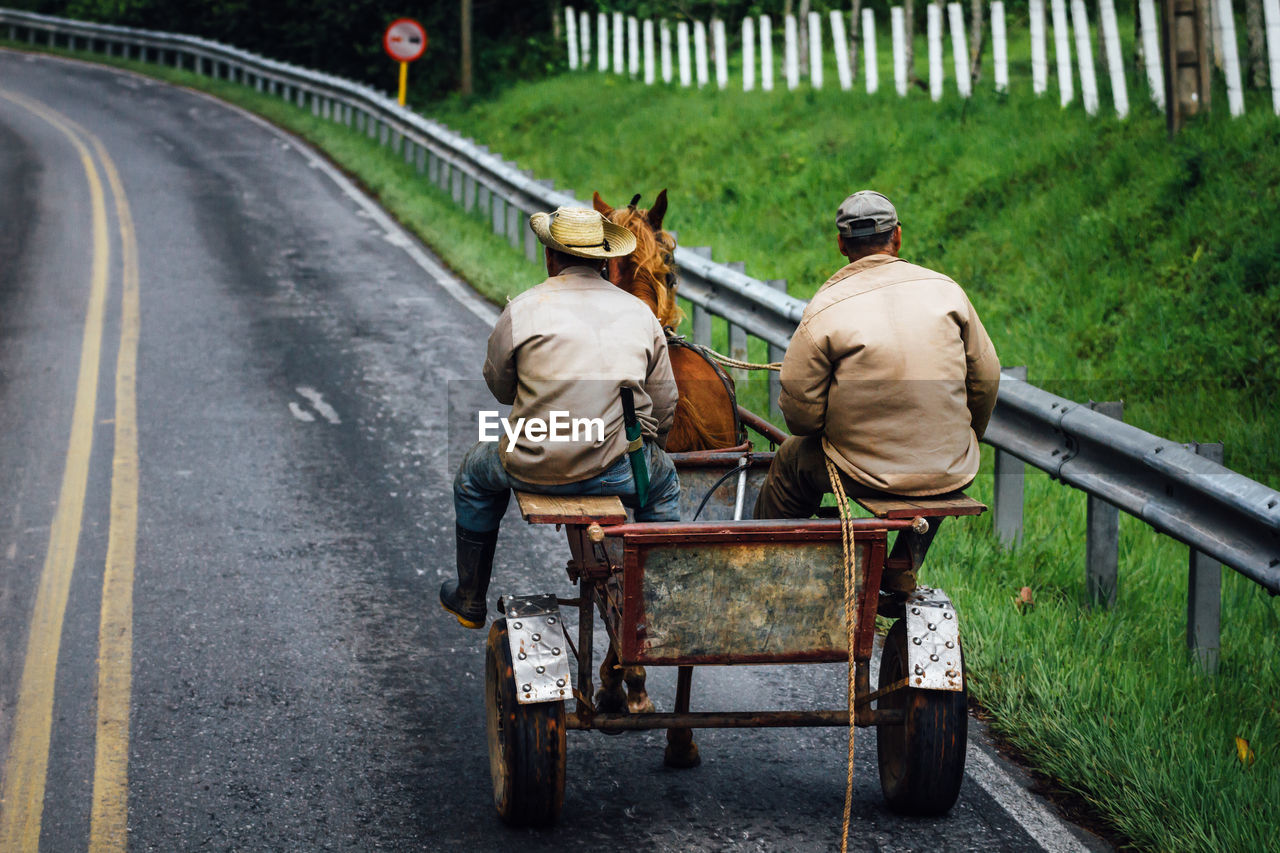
526	743
922	759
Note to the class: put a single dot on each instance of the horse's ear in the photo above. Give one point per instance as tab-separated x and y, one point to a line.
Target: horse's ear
600	205
658	211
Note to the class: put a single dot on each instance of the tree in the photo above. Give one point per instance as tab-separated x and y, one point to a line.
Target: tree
465	83
1257	43
975	39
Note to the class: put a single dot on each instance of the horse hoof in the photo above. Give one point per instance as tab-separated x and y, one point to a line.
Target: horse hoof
611	702
681	757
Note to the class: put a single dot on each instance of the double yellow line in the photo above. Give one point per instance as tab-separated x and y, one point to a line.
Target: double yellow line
26	767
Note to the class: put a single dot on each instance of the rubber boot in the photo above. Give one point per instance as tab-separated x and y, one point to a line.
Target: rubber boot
465	597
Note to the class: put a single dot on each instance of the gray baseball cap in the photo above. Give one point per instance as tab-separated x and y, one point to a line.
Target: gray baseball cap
865	213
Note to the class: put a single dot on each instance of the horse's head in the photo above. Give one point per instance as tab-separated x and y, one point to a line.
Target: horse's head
648	273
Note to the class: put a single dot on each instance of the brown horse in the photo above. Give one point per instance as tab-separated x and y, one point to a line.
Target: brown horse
706	415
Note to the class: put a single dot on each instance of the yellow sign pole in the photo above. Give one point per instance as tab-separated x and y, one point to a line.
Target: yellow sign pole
404	81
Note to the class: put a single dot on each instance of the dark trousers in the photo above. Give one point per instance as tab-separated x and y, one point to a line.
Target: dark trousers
798	479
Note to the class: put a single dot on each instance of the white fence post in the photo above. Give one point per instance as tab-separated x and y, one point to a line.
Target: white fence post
766	53
871	65
1271	14
700	52
571	36
619	62
815	50
897	23
602	41
840	44
647	31
1230	57
748	53
633	47
1084	53
664	39
584	40
1151	50
1115	65
999	46
960	49
720	44
1039	56
682	53
791	57
935	51
1062	51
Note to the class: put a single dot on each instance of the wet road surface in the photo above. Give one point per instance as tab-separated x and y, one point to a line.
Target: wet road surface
291	682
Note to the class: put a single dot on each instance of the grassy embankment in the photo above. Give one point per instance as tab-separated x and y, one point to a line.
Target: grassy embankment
1115	263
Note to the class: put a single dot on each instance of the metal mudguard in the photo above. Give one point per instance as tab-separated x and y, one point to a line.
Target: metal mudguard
539	653
933	642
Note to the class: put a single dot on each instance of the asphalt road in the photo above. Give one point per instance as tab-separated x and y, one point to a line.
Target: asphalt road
291	682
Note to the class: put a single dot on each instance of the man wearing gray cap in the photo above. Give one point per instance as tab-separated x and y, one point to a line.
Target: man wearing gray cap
890	375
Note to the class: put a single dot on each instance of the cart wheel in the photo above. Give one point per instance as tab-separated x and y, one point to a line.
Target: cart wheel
922	758
526	743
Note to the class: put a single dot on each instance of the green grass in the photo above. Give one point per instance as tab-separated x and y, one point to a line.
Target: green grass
1112	261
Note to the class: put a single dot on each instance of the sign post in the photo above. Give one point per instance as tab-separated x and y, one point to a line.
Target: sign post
404	41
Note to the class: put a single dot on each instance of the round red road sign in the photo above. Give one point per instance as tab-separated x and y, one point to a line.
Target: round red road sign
405	40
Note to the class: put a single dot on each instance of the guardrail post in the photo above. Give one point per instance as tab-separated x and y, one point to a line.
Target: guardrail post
1102	536
513	226
738	335
468	193
499	214
776	353
701	316
1204	592
420	160
1010	476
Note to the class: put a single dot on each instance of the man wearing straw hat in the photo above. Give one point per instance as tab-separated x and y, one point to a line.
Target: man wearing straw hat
890	376
574	345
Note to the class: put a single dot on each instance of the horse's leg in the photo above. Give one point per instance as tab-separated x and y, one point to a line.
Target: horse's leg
638	701
682	752
611	698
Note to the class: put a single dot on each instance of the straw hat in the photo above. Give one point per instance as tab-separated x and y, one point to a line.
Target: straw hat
582	232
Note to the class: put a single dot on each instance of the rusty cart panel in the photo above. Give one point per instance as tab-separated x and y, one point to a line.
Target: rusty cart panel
738	593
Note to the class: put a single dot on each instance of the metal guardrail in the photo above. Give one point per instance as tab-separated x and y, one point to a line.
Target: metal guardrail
1178	491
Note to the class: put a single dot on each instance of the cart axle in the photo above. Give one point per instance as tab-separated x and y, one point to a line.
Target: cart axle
732	720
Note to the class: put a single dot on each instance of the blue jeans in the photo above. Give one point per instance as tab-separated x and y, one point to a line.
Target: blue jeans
482	487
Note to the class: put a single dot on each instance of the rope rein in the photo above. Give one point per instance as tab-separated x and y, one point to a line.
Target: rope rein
850	571
733	362
850	621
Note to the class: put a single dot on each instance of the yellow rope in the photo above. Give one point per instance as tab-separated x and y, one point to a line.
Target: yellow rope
743	365
851	624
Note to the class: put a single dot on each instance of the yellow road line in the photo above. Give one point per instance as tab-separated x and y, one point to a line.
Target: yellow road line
27	763
108	829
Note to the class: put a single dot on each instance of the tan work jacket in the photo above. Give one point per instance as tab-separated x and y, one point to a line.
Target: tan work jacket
570	345
891	365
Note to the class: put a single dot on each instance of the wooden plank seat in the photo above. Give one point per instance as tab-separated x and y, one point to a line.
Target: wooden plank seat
934	506
570	509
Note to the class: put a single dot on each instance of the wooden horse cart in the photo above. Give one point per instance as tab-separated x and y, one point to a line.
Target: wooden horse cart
718	591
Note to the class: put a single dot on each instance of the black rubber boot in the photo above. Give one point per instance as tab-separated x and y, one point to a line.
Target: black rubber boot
464	598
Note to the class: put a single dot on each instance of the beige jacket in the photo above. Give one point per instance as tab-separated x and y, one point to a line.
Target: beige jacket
570	344
891	365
